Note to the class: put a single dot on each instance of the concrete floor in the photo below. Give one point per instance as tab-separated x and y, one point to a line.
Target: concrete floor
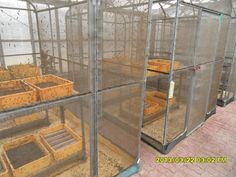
217	137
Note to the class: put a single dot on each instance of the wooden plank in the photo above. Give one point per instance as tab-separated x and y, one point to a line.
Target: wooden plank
61	87
31	167
11	98
60	147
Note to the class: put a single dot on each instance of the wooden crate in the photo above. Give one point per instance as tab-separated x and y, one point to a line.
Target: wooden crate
50	87
162	65
3	168
151	107
160	98
15	93
23	71
29	161
5	74
61	141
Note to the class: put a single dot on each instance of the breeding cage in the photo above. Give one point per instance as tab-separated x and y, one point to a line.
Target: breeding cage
226	93
185	47
71	84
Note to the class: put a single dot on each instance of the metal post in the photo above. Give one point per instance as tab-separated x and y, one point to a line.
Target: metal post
92	21
171	76
31	31
58	40
2	59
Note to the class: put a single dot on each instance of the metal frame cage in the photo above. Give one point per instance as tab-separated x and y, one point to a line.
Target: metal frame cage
227	86
187	47
76	71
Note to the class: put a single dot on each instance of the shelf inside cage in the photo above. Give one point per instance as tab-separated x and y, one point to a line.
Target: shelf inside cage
15	94
162	65
51	87
5	74
23	71
26	156
3	168
61	141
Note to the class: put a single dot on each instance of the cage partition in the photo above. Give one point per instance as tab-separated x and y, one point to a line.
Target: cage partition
186	54
77	70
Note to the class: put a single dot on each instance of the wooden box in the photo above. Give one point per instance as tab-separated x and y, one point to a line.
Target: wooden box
151	107
15	93
160	98
162	65
5	74
3	169
61	141
26	156
23	71
50	87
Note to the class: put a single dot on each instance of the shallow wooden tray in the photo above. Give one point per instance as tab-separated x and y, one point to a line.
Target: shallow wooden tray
15	93
23	71
50	87
61	141
26	156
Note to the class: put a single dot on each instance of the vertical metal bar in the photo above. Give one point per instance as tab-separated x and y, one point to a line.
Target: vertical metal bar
93	8
171	76
2	59
39	36
196	41
80	38
50	23
31	31
213	67
72	44
115	35
62	114
83	129
58	40
147	51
